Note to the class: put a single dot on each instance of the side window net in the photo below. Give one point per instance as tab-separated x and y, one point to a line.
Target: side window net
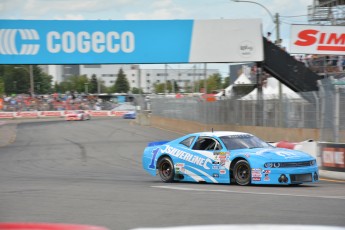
206	144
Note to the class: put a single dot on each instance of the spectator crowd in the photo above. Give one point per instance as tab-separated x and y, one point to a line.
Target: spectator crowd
53	102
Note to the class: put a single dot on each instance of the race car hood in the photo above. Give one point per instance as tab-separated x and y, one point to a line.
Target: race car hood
278	154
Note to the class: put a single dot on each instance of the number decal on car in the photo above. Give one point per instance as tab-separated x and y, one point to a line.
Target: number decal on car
154	153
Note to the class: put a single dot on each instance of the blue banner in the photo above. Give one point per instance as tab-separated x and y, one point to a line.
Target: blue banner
94	41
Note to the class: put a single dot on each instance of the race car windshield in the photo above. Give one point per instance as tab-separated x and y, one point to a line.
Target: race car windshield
243	142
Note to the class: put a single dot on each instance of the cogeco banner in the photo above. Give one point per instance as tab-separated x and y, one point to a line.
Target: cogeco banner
154	41
309	39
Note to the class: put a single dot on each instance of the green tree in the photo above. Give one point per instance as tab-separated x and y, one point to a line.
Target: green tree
93	84
159	88
121	84
137	90
57	88
42	83
2	87
77	84
176	87
226	82
214	82
16	79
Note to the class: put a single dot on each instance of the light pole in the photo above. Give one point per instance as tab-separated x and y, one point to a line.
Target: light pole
165	79
276	21
99	85
31	72
205	78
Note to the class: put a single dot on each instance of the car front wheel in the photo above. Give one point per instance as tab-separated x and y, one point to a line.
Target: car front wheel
242	172
166	170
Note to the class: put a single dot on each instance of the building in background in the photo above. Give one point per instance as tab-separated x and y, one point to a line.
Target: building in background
61	73
137	77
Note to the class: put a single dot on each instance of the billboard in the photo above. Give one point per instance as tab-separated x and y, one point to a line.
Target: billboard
331	156
310	39
129	41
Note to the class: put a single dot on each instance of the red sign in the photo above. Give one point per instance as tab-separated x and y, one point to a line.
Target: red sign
118	113
51	113
6	114
27	114
312	39
99	113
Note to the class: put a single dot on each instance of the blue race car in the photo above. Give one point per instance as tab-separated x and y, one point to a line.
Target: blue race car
129	115
225	157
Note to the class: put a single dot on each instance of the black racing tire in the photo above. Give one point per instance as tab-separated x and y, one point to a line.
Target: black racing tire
242	173
166	170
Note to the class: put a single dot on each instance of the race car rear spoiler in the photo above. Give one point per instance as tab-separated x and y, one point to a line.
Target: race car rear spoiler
156	143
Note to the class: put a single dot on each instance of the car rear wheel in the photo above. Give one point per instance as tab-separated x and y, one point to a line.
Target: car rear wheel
242	172
166	170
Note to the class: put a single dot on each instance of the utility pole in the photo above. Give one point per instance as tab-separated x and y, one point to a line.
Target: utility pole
99	82
165	78
194	85
205	78
31	72
280	88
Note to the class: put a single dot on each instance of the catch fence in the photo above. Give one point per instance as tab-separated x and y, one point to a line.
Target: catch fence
324	110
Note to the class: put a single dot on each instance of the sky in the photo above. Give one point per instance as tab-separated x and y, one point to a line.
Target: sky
290	12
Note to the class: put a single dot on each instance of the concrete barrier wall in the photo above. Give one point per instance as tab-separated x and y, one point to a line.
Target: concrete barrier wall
265	133
47	114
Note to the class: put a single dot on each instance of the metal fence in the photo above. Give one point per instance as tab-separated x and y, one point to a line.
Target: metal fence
332	109
324	110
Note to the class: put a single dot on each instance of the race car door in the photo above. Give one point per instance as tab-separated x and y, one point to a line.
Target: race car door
211	148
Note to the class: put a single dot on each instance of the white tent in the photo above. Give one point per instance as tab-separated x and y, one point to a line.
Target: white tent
241	80
271	91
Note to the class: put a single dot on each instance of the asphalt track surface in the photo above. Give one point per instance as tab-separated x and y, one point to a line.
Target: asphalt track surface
90	173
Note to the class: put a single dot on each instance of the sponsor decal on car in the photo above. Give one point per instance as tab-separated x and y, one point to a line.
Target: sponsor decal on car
198	160
256	173
179	167
215	175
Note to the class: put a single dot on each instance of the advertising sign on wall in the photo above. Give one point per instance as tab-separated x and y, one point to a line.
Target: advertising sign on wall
310	39
331	156
132	41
